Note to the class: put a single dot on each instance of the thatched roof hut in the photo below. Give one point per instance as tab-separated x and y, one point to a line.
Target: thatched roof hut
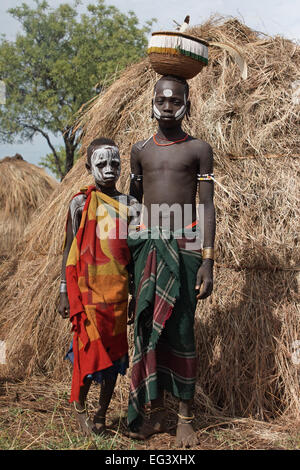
23	188
246	330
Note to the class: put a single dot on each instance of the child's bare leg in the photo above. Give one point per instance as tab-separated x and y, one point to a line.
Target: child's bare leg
80	409
185	434
107	388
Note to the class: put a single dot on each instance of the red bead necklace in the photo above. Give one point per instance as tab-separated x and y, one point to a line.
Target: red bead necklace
170	142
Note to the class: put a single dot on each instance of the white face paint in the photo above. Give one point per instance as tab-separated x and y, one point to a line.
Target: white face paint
156	112
167	93
106	164
181	112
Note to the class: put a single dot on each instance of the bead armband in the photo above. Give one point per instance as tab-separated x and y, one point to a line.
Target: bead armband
136	177
206	177
208	253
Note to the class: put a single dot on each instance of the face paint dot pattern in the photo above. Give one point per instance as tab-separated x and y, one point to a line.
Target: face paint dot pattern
167	93
179	114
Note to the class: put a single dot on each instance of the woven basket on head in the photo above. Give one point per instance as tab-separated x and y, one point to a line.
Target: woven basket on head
175	53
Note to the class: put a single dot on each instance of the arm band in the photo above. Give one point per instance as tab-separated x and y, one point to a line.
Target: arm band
208	253
206	177
136	177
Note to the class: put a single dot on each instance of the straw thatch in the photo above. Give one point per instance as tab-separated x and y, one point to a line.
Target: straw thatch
246	331
23	188
254	117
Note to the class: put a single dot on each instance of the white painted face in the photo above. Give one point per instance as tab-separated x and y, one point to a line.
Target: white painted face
106	165
179	114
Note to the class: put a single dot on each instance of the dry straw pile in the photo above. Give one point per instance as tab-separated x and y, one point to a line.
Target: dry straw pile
245	331
23	188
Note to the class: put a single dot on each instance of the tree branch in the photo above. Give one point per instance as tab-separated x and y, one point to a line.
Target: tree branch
46	136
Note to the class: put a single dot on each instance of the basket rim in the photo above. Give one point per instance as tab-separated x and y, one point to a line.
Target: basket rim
177	33
176	58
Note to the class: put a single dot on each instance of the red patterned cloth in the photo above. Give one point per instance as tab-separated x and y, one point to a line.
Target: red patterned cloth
97	284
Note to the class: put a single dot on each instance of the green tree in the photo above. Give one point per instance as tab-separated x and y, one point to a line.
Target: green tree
60	61
50	160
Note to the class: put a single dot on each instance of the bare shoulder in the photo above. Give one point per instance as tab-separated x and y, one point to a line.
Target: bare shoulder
203	152
204	155
136	157
127	199
77	201
138	147
202	147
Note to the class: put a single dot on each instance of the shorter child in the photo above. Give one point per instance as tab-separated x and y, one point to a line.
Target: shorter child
94	283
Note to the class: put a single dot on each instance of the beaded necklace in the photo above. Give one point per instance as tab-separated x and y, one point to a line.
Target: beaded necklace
170	142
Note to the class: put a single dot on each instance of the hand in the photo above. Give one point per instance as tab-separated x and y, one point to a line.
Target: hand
205	279
131	311
64	307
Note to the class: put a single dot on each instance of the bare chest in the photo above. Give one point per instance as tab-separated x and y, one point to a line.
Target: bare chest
168	159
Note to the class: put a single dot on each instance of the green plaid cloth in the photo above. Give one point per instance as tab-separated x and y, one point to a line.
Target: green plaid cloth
164	347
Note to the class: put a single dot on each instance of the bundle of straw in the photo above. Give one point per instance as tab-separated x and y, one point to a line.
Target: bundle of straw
23	188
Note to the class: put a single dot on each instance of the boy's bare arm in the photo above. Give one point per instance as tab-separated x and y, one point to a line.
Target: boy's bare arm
136	184
206	194
64	308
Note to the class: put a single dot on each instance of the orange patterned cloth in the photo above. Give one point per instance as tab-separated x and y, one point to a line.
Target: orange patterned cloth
97	285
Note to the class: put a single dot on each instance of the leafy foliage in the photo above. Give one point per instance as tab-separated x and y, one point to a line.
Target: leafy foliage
50	161
60	62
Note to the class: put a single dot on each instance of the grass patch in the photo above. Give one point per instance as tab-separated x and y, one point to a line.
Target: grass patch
36	415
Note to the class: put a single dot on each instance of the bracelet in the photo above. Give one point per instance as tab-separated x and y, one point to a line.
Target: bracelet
208	253
186	419
63	287
84	410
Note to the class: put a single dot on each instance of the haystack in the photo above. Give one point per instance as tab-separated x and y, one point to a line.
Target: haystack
247	331
23	188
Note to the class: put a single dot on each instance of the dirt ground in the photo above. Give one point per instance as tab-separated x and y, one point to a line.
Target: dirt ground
36	414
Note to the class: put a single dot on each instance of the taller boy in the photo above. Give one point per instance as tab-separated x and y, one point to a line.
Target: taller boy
169	267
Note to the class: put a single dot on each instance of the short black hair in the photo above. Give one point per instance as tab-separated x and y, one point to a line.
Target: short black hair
96	143
174	78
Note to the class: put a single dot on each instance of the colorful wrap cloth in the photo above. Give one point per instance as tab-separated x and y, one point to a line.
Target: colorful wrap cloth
165	270
97	285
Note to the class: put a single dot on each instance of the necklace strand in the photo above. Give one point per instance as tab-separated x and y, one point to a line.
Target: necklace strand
170	142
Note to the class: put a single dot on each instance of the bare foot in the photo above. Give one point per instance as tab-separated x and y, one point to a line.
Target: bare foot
99	424
84	421
185	434
153	423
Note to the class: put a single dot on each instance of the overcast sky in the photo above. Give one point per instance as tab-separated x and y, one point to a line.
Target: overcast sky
269	16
